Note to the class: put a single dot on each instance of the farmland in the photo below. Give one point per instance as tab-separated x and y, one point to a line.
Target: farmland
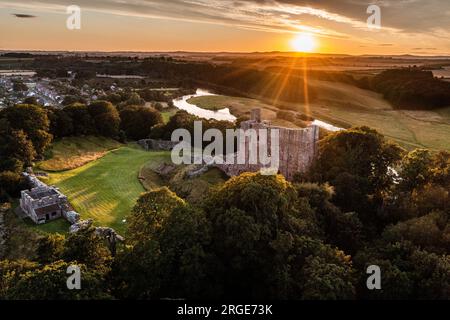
345	105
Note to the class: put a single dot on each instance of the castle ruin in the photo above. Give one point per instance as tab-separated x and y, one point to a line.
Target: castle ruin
297	148
43	203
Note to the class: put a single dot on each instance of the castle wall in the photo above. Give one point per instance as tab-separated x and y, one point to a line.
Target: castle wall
297	149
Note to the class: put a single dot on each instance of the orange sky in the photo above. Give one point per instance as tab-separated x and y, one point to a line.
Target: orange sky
225	25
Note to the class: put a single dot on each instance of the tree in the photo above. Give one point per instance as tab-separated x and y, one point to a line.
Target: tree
430	232
86	247
71	99
50	248
61	123
30	100
432	274
10	272
170	263
326	281
151	209
14	144
415	169
19	86
49	283
408	272
249	239
361	152
12	183
82	122
158	106
137	122
440	169
133	99
358	163
106	118
261	235
33	121
424	181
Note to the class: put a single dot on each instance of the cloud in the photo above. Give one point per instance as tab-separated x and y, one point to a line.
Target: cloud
22	15
420	49
329	18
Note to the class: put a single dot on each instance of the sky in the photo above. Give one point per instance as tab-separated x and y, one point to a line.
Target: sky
420	27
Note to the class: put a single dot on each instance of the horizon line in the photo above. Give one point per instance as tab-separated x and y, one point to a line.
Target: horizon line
446	55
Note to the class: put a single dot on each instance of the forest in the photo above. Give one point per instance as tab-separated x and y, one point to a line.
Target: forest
254	236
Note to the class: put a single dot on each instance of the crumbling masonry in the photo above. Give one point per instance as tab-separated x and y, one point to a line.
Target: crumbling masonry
298	148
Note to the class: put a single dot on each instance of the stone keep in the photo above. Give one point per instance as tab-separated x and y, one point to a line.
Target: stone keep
298	147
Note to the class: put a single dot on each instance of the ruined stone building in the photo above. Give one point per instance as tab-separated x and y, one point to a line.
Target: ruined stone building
297	148
43	203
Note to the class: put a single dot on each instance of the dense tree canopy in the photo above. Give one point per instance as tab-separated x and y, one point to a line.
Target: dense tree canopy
412	88
33	121
137	122
106	118
358	163
251	238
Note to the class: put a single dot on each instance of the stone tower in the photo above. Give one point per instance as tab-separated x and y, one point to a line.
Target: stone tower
297	148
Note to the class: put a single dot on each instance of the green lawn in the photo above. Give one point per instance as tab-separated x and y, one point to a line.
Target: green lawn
106	189
73	152
168	113
57	226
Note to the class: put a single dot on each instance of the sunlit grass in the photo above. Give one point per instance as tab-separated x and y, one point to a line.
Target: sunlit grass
107	189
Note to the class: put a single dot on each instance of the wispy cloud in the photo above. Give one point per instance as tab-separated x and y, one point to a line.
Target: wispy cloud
266	15
22	15
402	20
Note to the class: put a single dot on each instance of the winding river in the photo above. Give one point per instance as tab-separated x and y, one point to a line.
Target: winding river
224	114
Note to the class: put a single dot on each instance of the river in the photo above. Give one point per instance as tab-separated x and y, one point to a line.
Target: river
224	114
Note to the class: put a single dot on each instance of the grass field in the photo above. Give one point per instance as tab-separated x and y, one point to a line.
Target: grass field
73	152
345	105
105	189
238	106
192	189
168	113
195	189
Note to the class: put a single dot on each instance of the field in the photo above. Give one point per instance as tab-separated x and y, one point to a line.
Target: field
73	152
345	105
192	189
168	113
105	189
411	129
238	106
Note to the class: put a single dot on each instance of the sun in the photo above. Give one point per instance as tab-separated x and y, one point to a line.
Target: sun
303	42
